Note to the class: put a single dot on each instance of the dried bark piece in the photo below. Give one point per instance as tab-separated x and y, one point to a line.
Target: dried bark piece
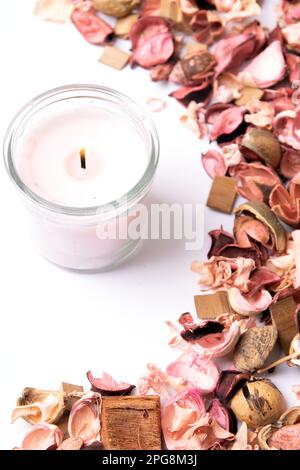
114	57
131	423
262	144
283	315
123	26
171	10
212	305
254	348
222	194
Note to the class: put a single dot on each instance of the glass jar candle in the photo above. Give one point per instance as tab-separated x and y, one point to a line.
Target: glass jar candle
83	157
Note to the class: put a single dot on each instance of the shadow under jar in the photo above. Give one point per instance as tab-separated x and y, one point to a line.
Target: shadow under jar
83	157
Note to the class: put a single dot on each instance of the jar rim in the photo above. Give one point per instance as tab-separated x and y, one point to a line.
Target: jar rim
83	91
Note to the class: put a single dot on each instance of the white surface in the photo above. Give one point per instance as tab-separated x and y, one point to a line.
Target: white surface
55	324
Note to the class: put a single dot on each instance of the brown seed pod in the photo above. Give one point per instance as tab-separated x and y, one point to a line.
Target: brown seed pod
262	144
295	350
117	8
258	403
36	406
254	348
262	212
285	434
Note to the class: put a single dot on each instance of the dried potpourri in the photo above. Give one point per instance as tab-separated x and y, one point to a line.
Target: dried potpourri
238	84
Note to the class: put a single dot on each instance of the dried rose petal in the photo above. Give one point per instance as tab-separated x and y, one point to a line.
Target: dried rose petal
261	113
247	229
268	68
179	413
286	438
227	122
213	163
91	26
287	127
72	443
286	203
84	420
198	372
290	162
152	41
293	63
229	383
291	35
233	51
58	11
219	239
106	385
262	277
248	306
206	26
222	415
42	436
198	93
194	119
194	333
218	343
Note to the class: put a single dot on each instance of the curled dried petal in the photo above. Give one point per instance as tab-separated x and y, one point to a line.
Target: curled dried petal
42	436
249	306
231	52
213	163
227	122
93	28
222	415
157	381
194	119
84	420
261	114
152	42
106	385
196	371
229	383
219	239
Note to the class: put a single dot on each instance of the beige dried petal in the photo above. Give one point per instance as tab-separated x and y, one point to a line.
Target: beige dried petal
36	406
117	8
58	11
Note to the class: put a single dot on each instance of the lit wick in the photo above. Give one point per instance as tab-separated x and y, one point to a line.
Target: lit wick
82	158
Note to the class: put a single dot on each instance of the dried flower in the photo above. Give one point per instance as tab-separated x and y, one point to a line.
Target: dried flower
36	406
106	385
42	436
84	420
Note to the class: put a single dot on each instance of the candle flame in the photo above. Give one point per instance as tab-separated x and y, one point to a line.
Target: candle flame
82	158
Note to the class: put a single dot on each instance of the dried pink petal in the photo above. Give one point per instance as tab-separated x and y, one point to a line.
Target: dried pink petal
72	443
91	26
58	11
286	203
187	93
194	119
152	41
268	68
222	415
197	372
296	390
219	239
158	382
287	127
227	122
242	9
248	306
213	163
261	278
179	414
219	343
231	52
84	420
256	180
290	162
261	114
286	438
244	439
229	383
232	155
291	34
106	385
42	436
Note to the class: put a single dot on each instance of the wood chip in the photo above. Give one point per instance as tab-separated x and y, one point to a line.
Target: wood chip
131	423
123	26
212	305
283	315
171	10
114	57
193	47
71	388
247	94
222	194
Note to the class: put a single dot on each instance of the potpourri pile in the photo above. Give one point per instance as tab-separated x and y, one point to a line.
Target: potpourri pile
238	83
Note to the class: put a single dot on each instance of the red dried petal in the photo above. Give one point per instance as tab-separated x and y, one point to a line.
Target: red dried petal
290	162
106	385
213	163
222	415
91	26
229	383
227	122
199	93
152	41
219	240
232	52
262	277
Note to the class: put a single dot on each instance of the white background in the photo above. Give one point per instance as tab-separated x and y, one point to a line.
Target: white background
55	325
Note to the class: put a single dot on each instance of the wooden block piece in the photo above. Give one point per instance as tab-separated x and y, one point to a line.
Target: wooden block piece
212	305
283	315
171	10
131	423
124	25
114	57
222	194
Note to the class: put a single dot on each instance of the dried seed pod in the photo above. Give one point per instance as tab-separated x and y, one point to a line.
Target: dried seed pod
229	383
258	403
254	348
36	406
265	434
291	416
117	8
262	144
262	212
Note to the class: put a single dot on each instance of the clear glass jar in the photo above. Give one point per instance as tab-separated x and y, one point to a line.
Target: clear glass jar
69	236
